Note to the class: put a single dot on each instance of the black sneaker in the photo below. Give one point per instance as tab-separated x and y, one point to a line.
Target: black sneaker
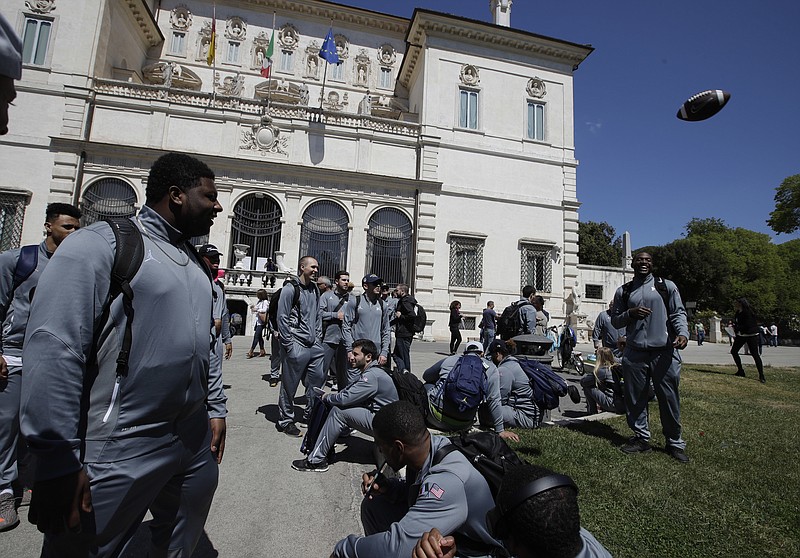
574	394
677	454
290	430
306	467
636	445
273	382
740	373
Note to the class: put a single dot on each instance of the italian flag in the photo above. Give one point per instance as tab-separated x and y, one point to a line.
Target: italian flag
266	64
212	45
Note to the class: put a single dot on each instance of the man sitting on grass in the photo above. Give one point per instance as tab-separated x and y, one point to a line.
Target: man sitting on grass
536	515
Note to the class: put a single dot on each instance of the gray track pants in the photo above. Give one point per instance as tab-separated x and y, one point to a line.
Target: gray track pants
300	363
9	425
337	422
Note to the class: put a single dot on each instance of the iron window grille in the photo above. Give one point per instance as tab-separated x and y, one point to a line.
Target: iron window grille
256	223
107	198
466	262
537	267
389	248
324	236
12	214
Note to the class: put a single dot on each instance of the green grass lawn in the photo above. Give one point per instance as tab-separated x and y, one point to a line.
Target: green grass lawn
739	495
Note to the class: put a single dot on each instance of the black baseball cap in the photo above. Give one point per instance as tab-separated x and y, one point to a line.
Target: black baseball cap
209	250
371	279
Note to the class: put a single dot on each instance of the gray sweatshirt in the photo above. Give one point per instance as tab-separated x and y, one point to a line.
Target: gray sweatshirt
216	403
515	388
372	390
373	324
651	332
301	322
527	315
131	415
331	324
16	318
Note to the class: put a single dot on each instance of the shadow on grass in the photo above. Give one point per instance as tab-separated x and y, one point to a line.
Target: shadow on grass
715	371
598	430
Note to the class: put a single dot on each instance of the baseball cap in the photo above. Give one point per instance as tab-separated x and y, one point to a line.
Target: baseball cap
371	279
209	250
473	347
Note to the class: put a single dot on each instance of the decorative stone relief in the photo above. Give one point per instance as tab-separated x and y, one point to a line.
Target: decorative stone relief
203	42
236	29
288	37
342	46
365	106
171	74
181	18
312	61
387	55
41	6
469	75
264	137
536	88
282	91
230	85
362	68
259	50
334	102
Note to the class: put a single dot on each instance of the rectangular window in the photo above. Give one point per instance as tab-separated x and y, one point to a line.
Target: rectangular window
337	71
468	110
232	56
535	121
537	267
594	292
12	213
35	37
466	262
178	43
286	61
385	79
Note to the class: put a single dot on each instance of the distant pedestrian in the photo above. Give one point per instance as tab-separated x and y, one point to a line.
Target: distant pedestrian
542	317
456	320
489	325
773	335
700	331
747	332
271	268
403	315
259	309
730	331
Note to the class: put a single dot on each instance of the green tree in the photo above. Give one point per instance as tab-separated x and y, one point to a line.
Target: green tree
786	217
598	244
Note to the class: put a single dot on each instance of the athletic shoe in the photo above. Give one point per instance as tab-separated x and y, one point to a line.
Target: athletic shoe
677	453
636	445
290	430
25	500
306	467
8	514
574	394
273	382
740	373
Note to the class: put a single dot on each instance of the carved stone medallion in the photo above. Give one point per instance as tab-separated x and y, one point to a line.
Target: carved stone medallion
469	75
387	55
288	37
264	137
41	6
342	46
181	18
536	88
236	29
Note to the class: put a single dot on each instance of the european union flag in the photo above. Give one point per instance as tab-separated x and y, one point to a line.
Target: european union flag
328	50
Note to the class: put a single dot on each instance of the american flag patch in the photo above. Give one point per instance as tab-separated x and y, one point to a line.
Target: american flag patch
437	491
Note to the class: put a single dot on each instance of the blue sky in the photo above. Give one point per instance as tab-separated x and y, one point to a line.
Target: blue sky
641	169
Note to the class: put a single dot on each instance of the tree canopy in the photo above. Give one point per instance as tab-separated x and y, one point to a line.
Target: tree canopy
786	217
598	244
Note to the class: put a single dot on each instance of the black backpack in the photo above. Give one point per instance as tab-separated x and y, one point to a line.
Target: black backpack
548	387
486	451
410	388
26	264
420	319
510	323
272	311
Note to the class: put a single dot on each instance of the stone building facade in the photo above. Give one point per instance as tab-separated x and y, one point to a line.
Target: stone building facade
439	153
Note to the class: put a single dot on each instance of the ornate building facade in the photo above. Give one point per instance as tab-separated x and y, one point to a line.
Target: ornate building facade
439	152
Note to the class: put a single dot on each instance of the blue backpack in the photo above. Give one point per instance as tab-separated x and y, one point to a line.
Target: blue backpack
548	387
466	386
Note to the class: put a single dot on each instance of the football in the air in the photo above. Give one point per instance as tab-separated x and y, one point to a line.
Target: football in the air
703	105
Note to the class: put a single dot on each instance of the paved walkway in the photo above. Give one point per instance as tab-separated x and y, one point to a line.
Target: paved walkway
263	508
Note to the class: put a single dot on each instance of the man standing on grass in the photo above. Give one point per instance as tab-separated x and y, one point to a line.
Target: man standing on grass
651	310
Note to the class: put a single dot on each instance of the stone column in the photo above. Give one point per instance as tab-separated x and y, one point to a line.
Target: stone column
715	330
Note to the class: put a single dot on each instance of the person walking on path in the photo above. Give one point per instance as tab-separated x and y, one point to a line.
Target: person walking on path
456	320
489	329
747	332
651	310
700	331
259	309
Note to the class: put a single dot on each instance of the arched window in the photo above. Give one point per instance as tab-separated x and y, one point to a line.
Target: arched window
389	247
324	236
257	223
108	197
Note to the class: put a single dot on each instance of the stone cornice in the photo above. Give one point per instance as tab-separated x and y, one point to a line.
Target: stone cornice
338	13
147	25
479	33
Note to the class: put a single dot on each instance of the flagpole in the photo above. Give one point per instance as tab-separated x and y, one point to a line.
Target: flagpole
214	56
324	77
269	82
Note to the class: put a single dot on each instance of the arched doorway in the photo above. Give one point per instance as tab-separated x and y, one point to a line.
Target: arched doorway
389	250
108	197
324	236
257	223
